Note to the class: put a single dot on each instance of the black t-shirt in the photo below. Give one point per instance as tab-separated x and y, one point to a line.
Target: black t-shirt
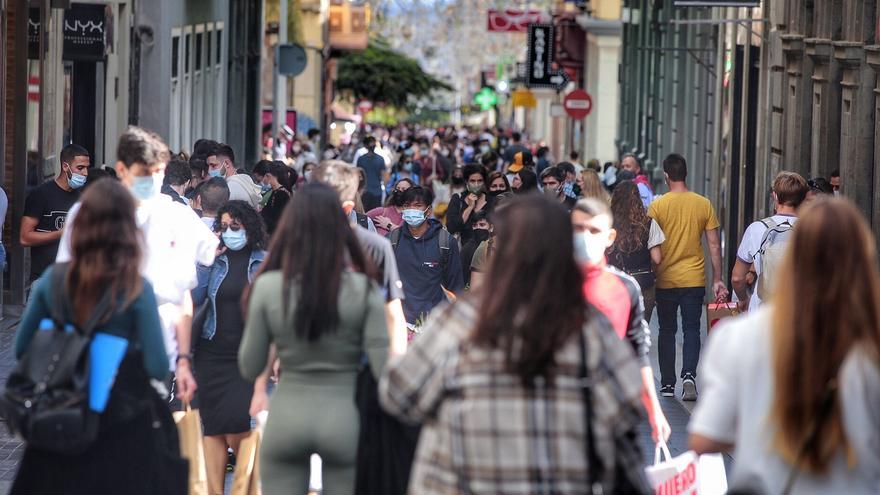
49	204
379	250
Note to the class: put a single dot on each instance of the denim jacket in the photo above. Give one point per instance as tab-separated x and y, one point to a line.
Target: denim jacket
209	280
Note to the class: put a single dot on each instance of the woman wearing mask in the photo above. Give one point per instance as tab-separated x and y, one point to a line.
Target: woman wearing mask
226	401
405	169
387	218
498	184
496	350
278	194
636	248
525	181
463	205
792	389
316	304
136	430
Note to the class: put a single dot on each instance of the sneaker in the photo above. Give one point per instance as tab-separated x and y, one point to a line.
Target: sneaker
667	391
689	388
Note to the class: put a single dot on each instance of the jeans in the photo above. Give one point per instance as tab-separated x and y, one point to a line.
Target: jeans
690	300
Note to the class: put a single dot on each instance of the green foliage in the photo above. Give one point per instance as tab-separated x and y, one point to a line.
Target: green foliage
382	75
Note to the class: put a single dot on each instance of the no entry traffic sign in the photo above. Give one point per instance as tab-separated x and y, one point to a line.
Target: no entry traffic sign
578	104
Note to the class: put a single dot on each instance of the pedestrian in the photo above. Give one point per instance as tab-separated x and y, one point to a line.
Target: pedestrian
616	295
764	242
552	181
685	217
498	185
791	390
277	196
174	241
177	179
210	196
226	400
199	171
136	450
374	168
631	163
497	353
524	181
592	187
327	317
221	163
463	206
818	186
482	231
521	161
513	148
636	248
543	161
46	208
834	179
570	187
427	256
388	217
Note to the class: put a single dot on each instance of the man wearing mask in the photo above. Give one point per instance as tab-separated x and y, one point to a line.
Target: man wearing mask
553	180
631	164
427	256
616	295
174	238
464	205
47	206
221	163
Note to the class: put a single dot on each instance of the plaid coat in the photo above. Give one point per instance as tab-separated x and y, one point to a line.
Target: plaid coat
484	432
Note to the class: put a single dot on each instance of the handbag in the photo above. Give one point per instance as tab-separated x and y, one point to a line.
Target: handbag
687	473
46	401
192	448
246	480
628	476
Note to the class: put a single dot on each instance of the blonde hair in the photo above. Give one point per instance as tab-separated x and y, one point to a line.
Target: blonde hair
831	306
593	187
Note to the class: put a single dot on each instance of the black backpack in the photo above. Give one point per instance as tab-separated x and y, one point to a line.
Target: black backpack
444	238
46	401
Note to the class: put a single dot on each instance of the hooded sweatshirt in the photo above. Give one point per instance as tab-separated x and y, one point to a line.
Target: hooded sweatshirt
242	187
419	262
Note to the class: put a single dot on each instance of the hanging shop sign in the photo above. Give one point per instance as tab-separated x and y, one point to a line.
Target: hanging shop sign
539	62
85	32
523	98
512	21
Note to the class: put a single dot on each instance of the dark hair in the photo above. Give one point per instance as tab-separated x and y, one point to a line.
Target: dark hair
514	320
97	174
198	166
498	175
223	150
177	172
630	219
479	215
554	172
418	194
574	155
472	169
542	152
281	172
312	133
369	141
820	185
138	145
516	136
311	244
529	181
214	193
253	223
675	167
835	173
566	167
292	175
71	151
202	149
105	251
261	167
489	159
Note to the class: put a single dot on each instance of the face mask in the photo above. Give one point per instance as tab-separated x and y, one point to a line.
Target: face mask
216	173
308	176
142	187
495	194
75	181
474	188
409	152
457	179
234	239
551	192
264	188
588	249
407	167
444	152
482	234
413	217
484	149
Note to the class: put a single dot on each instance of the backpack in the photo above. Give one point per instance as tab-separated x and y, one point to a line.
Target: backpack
772	251
46	400
444	239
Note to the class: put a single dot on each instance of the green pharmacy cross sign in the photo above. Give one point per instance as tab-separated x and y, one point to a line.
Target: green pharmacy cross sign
486	98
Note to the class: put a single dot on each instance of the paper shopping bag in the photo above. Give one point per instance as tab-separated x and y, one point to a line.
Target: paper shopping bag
189	429
717	311
246	480
687	474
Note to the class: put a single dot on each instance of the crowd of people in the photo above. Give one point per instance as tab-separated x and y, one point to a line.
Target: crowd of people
449	311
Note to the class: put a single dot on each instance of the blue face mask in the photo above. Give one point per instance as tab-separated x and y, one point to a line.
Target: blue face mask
215	173
265	188
143	187
413	217
75	181
234	239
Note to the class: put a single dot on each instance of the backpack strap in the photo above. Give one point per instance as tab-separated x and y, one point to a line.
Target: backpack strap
769	223
394	237
444	239
772	226
58	307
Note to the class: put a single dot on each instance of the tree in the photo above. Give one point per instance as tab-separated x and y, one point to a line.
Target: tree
383	75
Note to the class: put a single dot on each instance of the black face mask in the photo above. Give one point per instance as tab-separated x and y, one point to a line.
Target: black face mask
495	194
457	180
482	235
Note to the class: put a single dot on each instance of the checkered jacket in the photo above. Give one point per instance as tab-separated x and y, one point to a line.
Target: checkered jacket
483	432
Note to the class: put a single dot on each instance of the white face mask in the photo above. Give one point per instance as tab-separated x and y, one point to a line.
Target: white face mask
589	249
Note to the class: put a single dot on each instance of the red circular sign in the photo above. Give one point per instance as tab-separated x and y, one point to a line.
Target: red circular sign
578	104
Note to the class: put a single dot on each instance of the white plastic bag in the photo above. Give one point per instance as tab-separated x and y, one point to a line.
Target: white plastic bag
686	474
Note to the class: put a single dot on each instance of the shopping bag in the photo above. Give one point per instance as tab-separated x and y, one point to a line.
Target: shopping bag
246	480
192	448
687	474
719	310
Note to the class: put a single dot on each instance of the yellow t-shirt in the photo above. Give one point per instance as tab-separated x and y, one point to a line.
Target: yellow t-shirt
683	217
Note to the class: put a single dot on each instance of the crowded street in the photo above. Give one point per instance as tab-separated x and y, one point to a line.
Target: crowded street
386	247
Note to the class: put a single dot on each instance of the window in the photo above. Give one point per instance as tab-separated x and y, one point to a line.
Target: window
208	49
199	40
175	56
187	50
219	46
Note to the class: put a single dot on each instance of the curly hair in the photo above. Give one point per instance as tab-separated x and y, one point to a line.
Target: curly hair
249	218
630	218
